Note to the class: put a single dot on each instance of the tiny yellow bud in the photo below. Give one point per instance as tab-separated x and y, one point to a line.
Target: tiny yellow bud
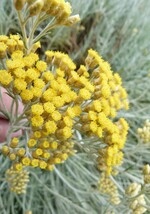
12	156
14	142
17	166
31	143
54	145
146	169
19	4
5	150
72	20
64	156
38	152
36	7
46	155
57	160
50	167
42	164
37	134
34	162
21	152
28	212
26	161
30	1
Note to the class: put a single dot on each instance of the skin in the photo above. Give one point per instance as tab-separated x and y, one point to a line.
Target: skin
4	122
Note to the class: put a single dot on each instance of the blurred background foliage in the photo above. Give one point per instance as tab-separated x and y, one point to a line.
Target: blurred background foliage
119	31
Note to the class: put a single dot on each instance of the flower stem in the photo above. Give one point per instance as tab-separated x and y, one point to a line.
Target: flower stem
46	29
23	29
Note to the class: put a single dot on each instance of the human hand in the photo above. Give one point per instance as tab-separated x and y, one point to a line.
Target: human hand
4	122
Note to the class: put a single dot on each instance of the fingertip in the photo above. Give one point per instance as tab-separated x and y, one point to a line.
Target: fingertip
4	125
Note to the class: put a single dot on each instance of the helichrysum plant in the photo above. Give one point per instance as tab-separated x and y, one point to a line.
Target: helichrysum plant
66	107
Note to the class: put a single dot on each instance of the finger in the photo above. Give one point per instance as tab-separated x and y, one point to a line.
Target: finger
4	126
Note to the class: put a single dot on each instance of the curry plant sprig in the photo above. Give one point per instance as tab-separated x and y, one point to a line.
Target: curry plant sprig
63	104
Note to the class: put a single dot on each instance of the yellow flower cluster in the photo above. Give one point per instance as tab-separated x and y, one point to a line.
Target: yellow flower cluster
112	155
144	133
59	9
107	186
9	45
138	202
109	96
17	180
59	99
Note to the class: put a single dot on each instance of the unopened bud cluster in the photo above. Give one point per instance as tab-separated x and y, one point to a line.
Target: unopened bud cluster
144	133
107	186
133	189
137	200
146	174
59	9
17	180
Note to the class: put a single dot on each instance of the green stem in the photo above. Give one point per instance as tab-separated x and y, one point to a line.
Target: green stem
46	29
23	29
35	25
3	64
38	20
26	20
